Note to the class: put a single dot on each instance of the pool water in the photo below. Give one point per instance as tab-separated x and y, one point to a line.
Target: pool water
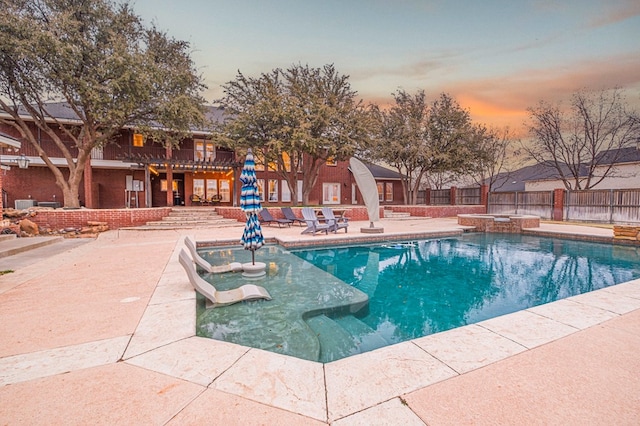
414	288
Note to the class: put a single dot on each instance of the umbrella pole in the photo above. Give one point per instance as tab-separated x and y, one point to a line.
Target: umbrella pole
253	257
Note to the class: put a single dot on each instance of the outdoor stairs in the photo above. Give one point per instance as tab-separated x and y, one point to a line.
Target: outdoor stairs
188	218
390	214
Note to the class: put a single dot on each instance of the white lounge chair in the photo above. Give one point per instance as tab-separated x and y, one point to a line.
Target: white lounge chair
201	262
313	224
217	298
333	222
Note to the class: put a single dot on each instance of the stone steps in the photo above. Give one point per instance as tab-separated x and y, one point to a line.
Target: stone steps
188	218
390	214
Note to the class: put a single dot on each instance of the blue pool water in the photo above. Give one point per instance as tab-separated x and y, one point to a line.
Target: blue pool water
333	302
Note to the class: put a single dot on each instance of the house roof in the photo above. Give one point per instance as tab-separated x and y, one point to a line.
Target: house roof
624	155
515	180
382	173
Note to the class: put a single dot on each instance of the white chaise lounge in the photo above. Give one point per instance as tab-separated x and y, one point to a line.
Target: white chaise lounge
217	298
201	262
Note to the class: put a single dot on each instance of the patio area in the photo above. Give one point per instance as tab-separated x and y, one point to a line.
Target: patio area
104	333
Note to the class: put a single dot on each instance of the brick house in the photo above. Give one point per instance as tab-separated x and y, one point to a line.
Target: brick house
132	172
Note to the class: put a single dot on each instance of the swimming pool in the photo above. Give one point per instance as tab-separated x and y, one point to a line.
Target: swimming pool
333	302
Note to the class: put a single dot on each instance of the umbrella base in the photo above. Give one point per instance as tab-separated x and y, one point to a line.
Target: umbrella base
256	270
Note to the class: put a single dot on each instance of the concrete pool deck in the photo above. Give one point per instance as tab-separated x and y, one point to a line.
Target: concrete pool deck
105	334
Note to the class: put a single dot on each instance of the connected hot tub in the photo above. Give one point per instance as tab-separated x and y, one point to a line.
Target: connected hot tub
505	223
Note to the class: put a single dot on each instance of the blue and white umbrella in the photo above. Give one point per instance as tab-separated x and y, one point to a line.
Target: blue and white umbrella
252	238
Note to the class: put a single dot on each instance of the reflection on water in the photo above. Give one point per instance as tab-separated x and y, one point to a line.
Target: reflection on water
431	286
330	303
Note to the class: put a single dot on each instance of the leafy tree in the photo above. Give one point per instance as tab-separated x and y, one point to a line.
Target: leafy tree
299	118
571	141
102	62
422	140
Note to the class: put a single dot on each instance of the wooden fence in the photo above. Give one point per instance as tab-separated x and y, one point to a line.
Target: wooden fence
451	196
606	206
537	203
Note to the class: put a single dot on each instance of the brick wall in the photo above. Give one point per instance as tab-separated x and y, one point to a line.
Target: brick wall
360	212
438	211
115	218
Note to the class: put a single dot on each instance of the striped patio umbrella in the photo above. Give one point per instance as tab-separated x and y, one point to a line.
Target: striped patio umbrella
252	238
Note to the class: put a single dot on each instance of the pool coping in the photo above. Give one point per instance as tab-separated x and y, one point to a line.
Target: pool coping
326	392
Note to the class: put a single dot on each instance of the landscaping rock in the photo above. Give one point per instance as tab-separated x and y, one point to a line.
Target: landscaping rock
29	227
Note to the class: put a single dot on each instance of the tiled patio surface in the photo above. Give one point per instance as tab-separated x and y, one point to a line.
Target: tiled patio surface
105	334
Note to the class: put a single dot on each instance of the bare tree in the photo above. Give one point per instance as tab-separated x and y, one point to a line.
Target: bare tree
495	155
572	140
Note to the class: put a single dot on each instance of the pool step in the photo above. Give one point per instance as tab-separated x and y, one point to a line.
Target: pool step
344	336
335	341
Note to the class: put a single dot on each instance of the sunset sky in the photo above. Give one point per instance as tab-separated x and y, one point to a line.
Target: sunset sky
495	57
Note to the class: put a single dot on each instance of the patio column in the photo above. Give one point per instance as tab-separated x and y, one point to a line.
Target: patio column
169	178
558	205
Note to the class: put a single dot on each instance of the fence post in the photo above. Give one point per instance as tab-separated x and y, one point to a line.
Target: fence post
427	196
484	196
558	205
452	195
611	204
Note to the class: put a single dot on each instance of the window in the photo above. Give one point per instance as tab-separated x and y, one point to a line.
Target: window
261	188
203	150
299	191
331	161
138	140
380	186
388	194
198	187
273	190
163	185
225	191
259	160
212	187
286	194
330	193
287	162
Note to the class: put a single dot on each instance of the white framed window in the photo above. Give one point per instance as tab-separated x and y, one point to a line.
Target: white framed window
225	190
203	150
388	193
212	187
273	190
261	188
380	186
330	193
286	193
198	187
354	194
299	191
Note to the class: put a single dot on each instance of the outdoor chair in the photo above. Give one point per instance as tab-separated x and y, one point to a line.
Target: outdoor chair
217	298
266	217
214	200
313	224
201	262
196	200
289	214
333	222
